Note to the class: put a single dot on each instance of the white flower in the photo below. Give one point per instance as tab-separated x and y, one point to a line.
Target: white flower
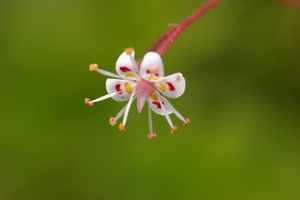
144	83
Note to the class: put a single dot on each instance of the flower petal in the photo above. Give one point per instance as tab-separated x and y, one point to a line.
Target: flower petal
123	87
172	86
156	105
152	66
126	66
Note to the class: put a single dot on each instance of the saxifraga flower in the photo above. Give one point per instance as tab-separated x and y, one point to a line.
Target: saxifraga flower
144	83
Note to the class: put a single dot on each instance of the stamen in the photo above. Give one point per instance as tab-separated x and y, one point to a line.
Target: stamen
88	102
151	136
134	65
113	120
128	51
103	97
106	73
169	105
128	107
165	112
93	67
187	122
150	118
122	128
174	130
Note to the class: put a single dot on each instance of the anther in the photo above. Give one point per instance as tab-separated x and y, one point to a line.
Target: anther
128	51
186	122
88	102
122	128
174	130
153	69
112	121
93	67
151	136
177	77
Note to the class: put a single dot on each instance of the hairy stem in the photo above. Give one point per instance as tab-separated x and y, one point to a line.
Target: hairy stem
165	41
295	3
159	42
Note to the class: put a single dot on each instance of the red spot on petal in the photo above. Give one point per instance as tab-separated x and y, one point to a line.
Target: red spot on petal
156	74
148	71
157	104
125	69
118	88
171	87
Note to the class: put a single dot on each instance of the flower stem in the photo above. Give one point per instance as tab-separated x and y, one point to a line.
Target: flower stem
165	41
159	42
295	3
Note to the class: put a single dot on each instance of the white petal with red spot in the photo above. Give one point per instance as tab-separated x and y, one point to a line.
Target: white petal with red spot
126	66
156	106
123	87
152	61
172	86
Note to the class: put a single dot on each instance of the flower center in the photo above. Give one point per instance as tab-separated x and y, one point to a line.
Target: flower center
144	89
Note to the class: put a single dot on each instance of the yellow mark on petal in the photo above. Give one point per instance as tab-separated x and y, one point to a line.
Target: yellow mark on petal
128	88
162	87
128	51
93	67
122	128
174	130
154	97
178	77
129	75
153	78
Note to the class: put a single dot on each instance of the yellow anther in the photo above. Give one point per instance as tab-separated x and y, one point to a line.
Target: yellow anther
187	122
128	88
88	102
154	97
93	67
128	51
112	121
122	128
129	75
174	130
162	87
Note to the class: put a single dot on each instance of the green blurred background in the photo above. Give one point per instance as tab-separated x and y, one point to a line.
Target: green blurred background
241	62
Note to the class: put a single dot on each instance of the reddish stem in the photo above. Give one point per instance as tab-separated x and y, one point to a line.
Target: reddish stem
159	42
295	3
165	41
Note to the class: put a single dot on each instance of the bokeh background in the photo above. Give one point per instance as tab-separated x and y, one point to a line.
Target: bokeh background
241	62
